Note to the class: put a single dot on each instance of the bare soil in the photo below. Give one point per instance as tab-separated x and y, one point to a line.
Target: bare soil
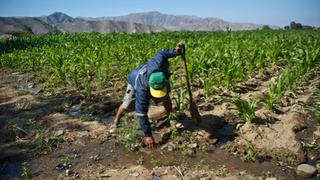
93	155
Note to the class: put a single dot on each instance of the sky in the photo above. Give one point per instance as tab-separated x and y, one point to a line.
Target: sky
271	12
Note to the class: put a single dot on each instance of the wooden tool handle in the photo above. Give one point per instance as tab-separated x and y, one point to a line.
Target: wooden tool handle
187	78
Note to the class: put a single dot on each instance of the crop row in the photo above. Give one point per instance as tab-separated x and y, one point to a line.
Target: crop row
222	59
293	75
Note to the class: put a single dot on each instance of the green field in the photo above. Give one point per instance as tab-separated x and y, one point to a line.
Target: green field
88	62
257	93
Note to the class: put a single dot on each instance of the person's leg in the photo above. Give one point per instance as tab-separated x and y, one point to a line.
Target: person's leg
119	114
127	100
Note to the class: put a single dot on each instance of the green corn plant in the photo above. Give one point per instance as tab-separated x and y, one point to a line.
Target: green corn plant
246	109
74	71
88	88
207	86
291	78
26	170
181	99
225	58
315	108
250	155
271	98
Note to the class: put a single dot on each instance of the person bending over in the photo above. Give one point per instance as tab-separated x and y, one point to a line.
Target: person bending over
150	80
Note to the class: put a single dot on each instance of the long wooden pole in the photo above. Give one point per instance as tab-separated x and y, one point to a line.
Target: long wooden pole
187	79
195	115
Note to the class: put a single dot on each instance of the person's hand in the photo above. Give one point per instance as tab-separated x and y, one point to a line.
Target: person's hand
149	142
180	49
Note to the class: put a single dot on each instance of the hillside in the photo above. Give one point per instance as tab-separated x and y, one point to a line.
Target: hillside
30	24
136	22
58	18
61	22
179	22
107	26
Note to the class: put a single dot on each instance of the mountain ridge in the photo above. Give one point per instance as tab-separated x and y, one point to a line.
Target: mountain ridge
152	21
108	26
57	18
181	22
25	24
60	22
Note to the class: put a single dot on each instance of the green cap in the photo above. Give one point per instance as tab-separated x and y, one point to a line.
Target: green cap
157	82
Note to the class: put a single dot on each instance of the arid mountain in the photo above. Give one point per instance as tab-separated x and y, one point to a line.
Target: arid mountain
58	18
137	22
107	26
35	25
29	24
63	23
174	22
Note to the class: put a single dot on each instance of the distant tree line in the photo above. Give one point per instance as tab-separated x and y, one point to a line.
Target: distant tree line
294	25
266	27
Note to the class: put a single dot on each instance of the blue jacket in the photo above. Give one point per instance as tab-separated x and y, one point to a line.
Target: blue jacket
139	77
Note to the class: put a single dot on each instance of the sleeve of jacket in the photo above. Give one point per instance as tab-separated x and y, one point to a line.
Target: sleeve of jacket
160	61
166	53
141	107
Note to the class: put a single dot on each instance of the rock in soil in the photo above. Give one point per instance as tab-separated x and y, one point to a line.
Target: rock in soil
63	166
59	133
193	146
135	174
83	134
271	178
179	126
68	172
306	171
317	132
318	166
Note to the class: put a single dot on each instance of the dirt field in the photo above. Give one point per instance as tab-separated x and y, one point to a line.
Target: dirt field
64	136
